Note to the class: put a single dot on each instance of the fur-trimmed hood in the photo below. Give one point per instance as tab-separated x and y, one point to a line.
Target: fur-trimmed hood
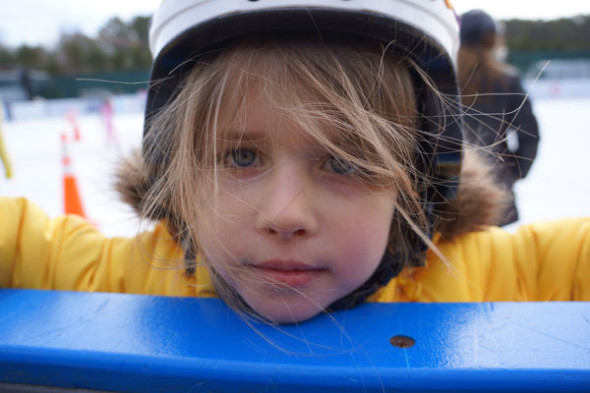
480	200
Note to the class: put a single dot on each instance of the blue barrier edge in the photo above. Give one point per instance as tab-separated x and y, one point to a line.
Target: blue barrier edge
136	343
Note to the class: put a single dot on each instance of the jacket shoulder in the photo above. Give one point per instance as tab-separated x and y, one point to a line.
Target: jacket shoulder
547	261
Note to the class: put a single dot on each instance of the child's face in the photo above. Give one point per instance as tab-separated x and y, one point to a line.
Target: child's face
292	230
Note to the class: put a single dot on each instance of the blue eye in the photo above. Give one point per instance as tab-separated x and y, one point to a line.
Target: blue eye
241	158
340	166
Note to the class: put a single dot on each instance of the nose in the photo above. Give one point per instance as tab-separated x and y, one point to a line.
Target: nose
287	208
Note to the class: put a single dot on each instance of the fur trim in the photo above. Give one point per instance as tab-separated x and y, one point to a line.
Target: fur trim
135	183
480	200
132	182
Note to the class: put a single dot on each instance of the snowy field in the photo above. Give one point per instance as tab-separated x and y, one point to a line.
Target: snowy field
558	184
35	150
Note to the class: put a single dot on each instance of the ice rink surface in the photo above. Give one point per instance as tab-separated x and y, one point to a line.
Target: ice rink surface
557	186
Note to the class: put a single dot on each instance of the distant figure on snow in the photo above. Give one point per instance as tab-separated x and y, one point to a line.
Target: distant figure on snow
27	83
498	114
107	112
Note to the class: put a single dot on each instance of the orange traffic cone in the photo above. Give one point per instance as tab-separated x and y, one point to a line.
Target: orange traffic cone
72	199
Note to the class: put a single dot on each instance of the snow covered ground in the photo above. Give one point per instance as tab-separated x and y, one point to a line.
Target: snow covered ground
558	184
35	150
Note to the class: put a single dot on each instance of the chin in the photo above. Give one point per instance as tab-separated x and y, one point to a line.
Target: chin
286	312
285	319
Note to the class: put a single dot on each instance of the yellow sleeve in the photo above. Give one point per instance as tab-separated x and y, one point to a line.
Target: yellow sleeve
68	253
540	262
3	153
563	271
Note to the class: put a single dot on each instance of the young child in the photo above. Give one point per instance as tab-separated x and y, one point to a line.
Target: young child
303	156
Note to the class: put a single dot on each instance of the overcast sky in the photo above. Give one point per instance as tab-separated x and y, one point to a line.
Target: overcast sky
40	22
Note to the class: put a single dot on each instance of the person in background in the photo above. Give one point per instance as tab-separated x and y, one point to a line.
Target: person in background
26	83
499	118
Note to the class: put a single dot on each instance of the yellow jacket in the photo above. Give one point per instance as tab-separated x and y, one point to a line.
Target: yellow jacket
546	261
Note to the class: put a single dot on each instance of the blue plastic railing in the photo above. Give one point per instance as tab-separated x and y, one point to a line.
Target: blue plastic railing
133	343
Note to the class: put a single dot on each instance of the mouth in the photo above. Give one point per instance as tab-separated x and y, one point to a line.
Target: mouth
291	274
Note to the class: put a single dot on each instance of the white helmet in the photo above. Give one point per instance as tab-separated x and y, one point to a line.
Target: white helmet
426	31
433	18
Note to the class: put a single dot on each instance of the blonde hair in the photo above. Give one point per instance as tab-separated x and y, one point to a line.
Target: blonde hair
364	93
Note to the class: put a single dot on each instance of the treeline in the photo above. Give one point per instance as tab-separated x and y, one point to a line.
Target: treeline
121	46
559	35
118	47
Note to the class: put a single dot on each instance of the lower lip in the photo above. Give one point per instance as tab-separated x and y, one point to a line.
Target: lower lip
288	278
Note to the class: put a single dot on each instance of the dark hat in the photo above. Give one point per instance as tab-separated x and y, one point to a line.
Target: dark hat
474	26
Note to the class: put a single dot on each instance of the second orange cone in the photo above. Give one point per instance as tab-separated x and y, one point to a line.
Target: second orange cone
71	196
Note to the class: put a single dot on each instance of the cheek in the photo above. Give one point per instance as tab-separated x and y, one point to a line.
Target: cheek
220	224
367	244
218	249
364	234
373	219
